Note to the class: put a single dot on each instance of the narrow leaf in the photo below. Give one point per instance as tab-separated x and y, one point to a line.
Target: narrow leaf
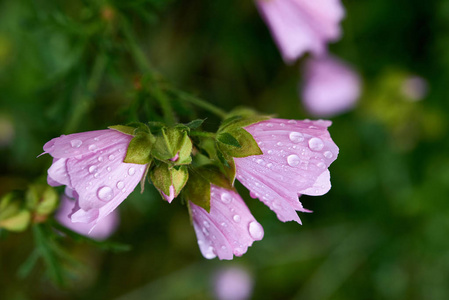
228	139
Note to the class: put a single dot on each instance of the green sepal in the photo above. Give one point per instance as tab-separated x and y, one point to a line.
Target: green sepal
236	122
123	129
139	149
14	216
195	123
213	174
172	141
197	190
248	145
41	199
227	139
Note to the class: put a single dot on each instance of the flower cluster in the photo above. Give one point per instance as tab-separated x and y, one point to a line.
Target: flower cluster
298	26
276	159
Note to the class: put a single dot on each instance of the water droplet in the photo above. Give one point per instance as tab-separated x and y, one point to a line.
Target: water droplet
123	190
111	157
206	224
236	218
313	127
328	154
105	193
292	122
293	160
316	144
108	169
120	184
223	247
92	147
96	175
270	151
270	125
276	205
321	165
89	183
282	124
210	253
205	231
278	144
100	158
255	230
76	143
259	161
269	166
131	171
296	137
226	198
92	169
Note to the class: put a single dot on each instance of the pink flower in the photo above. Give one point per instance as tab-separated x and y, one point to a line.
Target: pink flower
91	165
229	229
234	283
299	26
105	227
414	88
295	160
330	86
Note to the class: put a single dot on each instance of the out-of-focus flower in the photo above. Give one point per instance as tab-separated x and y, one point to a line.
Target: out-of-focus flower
229	229
7	131
295	160
299	26
104	228
414	88
330	86
91	165
234	283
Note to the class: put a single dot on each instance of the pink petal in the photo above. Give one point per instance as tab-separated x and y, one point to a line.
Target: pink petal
102	230
302	25
233	283
84	143
171	196
57	173
229	229
102	180
296	155
330	86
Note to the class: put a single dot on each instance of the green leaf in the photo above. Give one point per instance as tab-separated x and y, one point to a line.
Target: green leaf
249	145
228	139
195	123
139	149
197	190
213	174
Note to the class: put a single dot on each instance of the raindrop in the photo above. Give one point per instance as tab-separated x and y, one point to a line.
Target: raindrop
210	253
328	154
108	169
105	193
76	143
278	144
131	171
321	165
296	137
259	161
223	224
100	158
92	169
269	125
293	160
255	230
206	224
270	151
269	166
111	157
92	147
120	184
205	231
236	218
226	198
282	124
292	122
96	175
316	144
96	139
223	247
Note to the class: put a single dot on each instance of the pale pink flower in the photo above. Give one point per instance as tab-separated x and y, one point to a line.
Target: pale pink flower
233	283
91	165
299	26
414	88
104	228
330	86
229	229
295	160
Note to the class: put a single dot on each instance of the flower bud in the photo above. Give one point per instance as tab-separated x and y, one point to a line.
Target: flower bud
42	200
169	180
14	215
172	143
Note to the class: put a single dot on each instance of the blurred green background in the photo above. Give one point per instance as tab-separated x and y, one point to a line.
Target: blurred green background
380	233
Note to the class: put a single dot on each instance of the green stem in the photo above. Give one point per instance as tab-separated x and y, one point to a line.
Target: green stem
201	103
146	68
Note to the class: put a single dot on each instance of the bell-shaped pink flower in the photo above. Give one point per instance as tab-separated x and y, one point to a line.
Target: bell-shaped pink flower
91	165
229	229
299	26
104	228
295	160
330	86
233	283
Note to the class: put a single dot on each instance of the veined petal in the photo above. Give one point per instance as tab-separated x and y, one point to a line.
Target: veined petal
84	143
296	155
229	229
57	173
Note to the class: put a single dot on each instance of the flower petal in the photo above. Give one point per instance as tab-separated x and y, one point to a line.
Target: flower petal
102	180
83	143
57	173
298	26
296	155
229	229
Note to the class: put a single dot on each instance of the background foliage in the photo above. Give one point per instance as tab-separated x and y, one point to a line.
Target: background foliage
380	233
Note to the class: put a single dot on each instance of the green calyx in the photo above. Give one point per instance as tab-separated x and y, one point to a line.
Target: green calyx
164	176
173	146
